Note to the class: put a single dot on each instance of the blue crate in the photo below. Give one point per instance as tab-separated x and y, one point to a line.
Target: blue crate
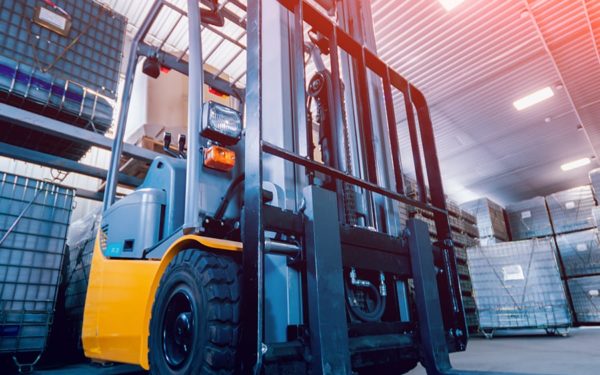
34	217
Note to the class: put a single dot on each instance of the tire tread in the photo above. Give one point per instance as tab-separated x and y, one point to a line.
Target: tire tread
219	275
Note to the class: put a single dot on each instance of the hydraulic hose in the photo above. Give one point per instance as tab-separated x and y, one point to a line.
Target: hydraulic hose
220	212
366	316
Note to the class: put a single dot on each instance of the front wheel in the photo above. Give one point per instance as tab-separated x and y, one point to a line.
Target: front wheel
194	327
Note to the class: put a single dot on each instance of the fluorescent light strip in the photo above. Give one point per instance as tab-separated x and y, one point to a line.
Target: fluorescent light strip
450	4
533	98
575	164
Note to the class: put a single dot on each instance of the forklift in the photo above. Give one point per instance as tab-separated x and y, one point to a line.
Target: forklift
272	241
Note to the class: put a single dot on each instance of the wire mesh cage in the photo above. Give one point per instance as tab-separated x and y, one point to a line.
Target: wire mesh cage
34	217
62	62
518	285
571	210
580	252
529	219
585	294
81	41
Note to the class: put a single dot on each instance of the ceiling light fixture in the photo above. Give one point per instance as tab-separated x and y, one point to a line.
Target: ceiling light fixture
575	164
450	4
533	98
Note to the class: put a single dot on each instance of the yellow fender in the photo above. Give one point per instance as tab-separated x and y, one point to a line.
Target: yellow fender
119	301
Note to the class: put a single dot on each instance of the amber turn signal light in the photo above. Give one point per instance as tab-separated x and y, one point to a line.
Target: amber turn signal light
219	158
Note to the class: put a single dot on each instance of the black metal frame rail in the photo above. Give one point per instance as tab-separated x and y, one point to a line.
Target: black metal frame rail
253	230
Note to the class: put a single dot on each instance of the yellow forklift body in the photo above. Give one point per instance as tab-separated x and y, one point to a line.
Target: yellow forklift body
119	301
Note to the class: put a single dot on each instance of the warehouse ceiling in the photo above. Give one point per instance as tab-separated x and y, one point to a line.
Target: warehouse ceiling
472	63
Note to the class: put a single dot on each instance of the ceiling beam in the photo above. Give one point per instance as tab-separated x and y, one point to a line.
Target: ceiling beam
562	80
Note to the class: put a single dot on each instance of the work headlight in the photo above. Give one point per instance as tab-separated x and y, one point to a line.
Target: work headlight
221	123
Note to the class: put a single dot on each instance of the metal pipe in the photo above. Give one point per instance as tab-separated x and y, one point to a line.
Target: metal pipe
284	248
67	165
228	38
416	150
115	157
173	62
191	219
393	132
369	186
252	230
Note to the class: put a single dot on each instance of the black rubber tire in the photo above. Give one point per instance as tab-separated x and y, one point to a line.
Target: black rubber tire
211	284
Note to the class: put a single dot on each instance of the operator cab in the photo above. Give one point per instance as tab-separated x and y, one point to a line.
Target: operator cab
159	203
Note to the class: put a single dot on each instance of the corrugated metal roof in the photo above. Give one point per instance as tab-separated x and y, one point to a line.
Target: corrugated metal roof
474	61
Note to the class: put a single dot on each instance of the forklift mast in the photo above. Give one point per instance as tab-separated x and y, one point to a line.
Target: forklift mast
359	70
331	216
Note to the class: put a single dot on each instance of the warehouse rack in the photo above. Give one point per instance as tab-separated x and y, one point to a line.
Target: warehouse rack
150	46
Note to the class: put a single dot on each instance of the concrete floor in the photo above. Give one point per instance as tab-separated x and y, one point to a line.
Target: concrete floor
529	352
532	353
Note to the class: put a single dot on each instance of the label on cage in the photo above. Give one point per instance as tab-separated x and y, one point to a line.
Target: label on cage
525	214
52	18
59	23
570	205
594	293
514	272
581	247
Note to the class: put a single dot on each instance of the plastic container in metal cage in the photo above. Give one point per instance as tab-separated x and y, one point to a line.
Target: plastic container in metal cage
580	252
529	219
585	294
89	52
518	285
34	217
31	89
65	74
571	210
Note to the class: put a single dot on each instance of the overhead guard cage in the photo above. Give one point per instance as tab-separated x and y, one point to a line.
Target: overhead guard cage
421	139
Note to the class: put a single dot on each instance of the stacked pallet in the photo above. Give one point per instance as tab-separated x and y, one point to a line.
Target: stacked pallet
464	232
570	219
576	238
573	215
491	223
